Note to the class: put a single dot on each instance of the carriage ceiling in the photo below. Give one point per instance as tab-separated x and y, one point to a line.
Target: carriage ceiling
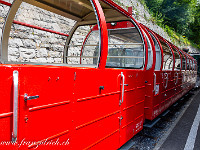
79	10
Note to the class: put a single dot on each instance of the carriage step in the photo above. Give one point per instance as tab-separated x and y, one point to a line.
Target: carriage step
150	124
165	113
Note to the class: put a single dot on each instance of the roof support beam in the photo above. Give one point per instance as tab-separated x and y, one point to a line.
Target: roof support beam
6	30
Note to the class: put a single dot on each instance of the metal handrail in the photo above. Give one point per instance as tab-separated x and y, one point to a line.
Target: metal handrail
176	76
15	104
108	44
123	81
154	82
107	57
5	3
39	28
166	78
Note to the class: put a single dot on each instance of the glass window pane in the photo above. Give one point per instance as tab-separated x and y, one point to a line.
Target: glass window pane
183	61
188	64
125	47
167	56
177	59
158	53
150	53
191	68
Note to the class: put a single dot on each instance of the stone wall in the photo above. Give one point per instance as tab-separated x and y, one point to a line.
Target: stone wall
32	45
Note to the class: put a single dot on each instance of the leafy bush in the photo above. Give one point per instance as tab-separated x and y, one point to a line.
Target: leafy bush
181	16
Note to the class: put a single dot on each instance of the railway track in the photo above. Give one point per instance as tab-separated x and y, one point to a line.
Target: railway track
148	138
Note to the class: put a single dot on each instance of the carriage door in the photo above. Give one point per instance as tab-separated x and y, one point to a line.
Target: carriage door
157	78
131	104
45	106
8	86
126	50
177	67
167	76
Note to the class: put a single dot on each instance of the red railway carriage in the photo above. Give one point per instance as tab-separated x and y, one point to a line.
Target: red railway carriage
115	76
169	76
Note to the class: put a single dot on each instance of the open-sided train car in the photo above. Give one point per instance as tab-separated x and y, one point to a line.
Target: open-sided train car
174	75
110	81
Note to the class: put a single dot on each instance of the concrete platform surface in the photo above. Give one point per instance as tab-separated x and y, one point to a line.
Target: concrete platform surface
186	133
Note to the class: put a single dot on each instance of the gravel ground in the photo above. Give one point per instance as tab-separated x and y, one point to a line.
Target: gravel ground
149	137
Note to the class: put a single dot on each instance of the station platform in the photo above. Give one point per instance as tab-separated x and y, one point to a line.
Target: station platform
186	133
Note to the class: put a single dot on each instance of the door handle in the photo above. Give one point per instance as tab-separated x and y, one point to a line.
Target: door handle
26	97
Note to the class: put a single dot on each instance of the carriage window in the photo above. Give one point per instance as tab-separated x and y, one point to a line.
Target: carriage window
167	56
150	53
183	61
191	66
158	53
84	46
31	39
195	66
188	64
125	46
177	60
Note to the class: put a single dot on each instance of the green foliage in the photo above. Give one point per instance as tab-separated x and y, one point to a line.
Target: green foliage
181	16
142	2
195	27
175	36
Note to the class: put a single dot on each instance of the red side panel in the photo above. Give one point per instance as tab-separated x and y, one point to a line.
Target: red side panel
97	108
6	108
77	108
132	109
48	118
